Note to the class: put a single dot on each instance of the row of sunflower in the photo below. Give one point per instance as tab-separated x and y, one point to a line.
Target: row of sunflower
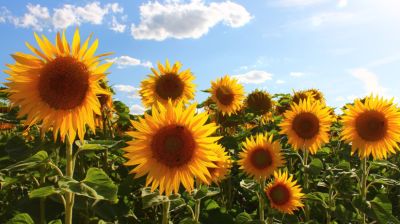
228	156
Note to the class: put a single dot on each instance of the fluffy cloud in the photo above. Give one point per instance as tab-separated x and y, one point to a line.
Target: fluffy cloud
133	92
116	26
174	19
127	61
137	109
254	77
39	17
296	74
370	81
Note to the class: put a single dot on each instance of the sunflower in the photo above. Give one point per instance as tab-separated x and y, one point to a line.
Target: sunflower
259	102
372	126
307	125
261	156
228	94
58	84
172	146
167	83
300	95
283	193
316	94
223	165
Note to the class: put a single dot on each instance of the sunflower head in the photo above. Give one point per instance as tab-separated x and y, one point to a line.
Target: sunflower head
167	83
58	84
372	126
317	95
172	146
259	102
300	96
228	94
283	193
307	125
223	165
261	156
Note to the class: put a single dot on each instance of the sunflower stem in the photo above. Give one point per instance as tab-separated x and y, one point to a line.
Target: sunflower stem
261	200
306	184
165	214
69	197
363	187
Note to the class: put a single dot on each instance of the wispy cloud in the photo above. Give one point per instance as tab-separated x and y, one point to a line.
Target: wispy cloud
127	61
180	20
137	109
130	91
370	81
41	18
254	77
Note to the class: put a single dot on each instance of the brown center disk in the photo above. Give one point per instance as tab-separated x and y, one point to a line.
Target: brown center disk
169	86
259	103
279	194
261	158
224	95
63	83
306	125
173	146
371	125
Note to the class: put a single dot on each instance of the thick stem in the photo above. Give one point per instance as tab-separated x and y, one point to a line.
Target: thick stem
261	202
165	214
306	184
69	197
363	187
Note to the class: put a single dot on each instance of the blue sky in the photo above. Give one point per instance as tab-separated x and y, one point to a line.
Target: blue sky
345	48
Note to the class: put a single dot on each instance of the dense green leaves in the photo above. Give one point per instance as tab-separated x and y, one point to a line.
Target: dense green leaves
21	218
32	162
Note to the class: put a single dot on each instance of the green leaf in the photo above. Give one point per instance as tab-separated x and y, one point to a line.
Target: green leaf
43	192
384	163
201	193
243	218
21	218
93	147
150	199
96	185
381	210
316	166
32	162
249	184
210	204
57	221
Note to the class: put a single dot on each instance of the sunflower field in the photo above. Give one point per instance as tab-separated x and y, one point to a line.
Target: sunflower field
69	153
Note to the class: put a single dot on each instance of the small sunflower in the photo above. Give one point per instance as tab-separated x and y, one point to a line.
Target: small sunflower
317	95
300	96
307	125
283	193
259	102
57	86
372	126
172	146
228	94
261	156
167	84
223	165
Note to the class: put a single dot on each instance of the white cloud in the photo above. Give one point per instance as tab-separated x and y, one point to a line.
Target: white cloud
175	19
137	109
254	77
125	88
127	61
116	26
370	81
297	3
296	74
39	17
342	3
280	81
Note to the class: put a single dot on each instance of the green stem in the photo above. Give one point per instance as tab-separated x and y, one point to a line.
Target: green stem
363	187
261	202
165	214
69	197
306	184
197	209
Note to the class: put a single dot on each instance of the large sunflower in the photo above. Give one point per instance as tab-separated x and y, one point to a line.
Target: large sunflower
167	83
283	193
307	125
172	146
58	84
261	156
372	126
223	165
228	94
